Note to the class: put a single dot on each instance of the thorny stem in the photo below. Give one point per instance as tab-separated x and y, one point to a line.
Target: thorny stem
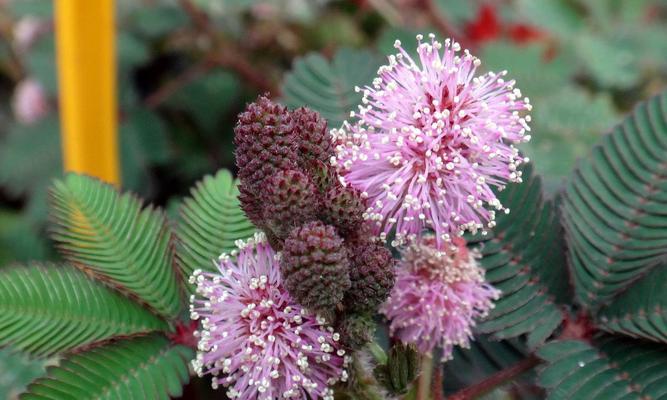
161	95
424	382
225	54
495	380
437	383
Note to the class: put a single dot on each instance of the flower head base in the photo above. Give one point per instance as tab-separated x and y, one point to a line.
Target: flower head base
438	296
430	141
255	340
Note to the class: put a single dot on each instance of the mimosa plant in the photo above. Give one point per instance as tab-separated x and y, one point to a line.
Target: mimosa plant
417	218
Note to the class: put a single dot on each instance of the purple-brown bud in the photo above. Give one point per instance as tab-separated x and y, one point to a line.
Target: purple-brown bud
315	266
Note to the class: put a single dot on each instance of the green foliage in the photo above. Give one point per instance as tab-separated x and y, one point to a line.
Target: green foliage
211	222
524	259
457	10
157	21
607	368
567	122
139	368
328	87
401	368
640	311
202	99
34	8
20	174
16	371
557	16
619	69
122	276
614	206
48	309
39	63
565	119
110	235
143	143
527	65
19	241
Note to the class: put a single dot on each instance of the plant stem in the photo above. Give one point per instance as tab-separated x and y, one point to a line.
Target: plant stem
170	88
495	380
424	383
437	383
225	54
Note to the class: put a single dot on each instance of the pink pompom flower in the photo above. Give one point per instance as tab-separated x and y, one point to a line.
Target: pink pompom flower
438	296
429	142
254	339
30	103
26	32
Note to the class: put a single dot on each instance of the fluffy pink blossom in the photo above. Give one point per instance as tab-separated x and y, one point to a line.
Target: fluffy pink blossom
26	31
254	339
437	297
30	103
429	142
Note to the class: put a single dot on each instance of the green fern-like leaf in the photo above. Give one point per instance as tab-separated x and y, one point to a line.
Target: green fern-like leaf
109	234
211	221
47	309
608	368
614	206
328	87
140	368
641	311
525	259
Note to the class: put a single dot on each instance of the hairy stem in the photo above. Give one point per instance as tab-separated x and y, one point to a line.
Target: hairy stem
424	382
367	388
437	382
226	54
495	380
170	88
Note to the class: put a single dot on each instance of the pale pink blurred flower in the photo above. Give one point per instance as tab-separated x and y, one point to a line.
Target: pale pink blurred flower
438	296
429	142
264	10
26	32
255	339
30	103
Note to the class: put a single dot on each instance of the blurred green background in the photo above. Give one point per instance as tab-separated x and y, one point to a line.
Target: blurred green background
187	67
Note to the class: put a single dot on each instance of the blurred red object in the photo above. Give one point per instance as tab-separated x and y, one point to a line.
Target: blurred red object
486	25
523	33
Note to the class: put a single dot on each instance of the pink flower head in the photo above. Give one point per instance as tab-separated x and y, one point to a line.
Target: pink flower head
430	141
30	103
262	343
26	32
438	295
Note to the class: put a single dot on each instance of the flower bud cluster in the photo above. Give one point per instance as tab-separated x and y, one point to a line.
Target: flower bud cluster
328	262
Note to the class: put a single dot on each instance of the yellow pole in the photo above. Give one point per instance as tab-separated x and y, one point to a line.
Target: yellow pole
87	85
